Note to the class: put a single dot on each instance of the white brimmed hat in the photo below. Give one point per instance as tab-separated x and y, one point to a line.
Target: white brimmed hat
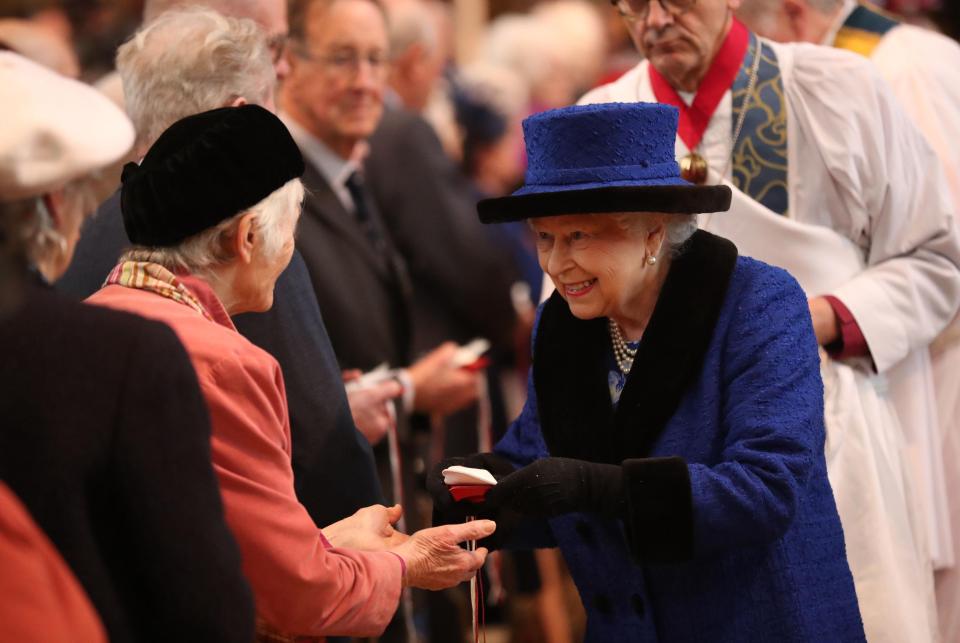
54	129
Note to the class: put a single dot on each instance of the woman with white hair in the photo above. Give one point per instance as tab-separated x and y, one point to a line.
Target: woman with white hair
211	211
104	436
672	440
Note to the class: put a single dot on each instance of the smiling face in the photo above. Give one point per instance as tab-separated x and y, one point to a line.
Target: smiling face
599	265
338	76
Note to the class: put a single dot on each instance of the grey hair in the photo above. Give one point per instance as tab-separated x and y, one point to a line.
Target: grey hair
679	228
30	229
210	249
411	23
189	61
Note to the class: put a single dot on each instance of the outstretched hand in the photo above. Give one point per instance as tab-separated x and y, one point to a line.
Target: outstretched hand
434	558
370	529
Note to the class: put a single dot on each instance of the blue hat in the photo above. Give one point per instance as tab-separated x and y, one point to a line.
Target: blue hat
612	157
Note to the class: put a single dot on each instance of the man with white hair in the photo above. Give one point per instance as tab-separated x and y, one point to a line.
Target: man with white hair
271	15
182	64
833	182
923	69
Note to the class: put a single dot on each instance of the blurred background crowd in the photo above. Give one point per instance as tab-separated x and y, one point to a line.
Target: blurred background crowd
83	35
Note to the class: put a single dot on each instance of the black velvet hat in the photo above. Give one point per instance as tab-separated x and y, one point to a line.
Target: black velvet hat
613	157
205	169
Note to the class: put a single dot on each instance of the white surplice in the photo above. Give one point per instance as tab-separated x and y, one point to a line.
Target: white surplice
923	70
858	168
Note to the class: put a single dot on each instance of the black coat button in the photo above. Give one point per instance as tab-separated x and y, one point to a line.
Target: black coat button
603	604
585	531
637	602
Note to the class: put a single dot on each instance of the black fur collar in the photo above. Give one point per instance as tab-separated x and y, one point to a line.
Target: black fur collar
570	361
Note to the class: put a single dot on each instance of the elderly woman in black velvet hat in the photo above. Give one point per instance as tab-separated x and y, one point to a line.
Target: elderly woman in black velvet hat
672	440
211	211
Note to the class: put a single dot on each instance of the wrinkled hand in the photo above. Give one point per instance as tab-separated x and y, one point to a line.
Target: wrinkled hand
826	326
555	486
440	388
369	529
434	558
370	406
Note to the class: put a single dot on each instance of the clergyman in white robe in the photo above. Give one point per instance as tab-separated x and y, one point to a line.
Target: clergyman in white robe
923	70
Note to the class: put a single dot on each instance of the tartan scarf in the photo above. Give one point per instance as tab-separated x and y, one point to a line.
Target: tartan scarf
145	275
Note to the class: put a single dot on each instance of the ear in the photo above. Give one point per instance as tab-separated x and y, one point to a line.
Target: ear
239	101
656	234
247	239
795	12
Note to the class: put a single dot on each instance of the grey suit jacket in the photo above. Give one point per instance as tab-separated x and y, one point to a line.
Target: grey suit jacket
364	293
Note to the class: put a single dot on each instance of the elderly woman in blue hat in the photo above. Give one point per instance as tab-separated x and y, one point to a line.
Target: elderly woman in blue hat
672	442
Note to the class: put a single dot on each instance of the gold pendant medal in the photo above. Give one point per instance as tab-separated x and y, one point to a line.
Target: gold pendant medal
693	168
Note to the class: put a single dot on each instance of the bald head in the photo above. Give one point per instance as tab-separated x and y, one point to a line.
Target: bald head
790	20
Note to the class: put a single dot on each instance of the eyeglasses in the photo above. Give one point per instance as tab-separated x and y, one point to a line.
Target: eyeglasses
345	62
638	10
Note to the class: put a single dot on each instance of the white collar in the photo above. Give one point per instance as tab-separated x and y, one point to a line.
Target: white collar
334	168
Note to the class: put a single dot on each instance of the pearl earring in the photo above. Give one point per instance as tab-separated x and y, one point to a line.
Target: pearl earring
652	260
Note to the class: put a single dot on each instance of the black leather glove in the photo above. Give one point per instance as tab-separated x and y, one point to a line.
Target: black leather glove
445	509
555	486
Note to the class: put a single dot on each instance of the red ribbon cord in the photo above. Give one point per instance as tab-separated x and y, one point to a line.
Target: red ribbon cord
481	633
695	118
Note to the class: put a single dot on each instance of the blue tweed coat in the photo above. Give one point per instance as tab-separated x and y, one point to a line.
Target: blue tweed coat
731	533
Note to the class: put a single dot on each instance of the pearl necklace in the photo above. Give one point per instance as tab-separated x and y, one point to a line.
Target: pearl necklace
621	351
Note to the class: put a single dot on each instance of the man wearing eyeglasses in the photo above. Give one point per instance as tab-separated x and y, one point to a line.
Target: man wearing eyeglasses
832	182
332	101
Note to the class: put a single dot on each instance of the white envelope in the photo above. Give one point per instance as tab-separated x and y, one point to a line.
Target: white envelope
466	475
